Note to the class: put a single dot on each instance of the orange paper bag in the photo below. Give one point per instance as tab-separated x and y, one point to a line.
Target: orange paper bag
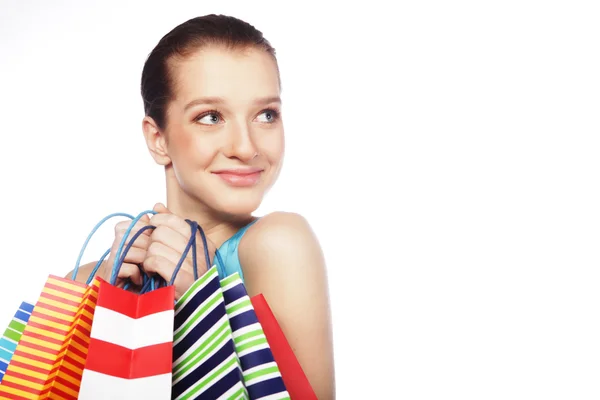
34	362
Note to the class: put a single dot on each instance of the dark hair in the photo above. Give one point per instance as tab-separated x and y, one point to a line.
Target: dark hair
183	40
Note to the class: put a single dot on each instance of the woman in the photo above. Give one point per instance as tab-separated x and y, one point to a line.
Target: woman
213	119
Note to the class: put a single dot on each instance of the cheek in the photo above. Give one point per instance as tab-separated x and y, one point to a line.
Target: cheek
273	147
191	151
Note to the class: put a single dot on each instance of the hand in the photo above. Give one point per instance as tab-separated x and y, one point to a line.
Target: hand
136	255
167	244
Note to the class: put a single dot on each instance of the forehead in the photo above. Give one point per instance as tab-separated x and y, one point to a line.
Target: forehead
236	75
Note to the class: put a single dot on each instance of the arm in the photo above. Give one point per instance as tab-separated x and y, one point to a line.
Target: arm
282	259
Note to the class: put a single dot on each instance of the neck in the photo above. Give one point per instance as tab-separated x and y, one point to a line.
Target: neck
218	227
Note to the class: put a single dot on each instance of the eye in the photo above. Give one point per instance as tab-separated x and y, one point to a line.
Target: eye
209	118
268	116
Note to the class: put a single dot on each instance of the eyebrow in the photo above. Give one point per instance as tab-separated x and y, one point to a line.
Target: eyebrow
220	100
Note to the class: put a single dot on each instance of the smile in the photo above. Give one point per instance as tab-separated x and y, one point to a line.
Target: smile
241	177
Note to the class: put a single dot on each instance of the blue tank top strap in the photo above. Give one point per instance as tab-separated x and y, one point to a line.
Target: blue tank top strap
227	258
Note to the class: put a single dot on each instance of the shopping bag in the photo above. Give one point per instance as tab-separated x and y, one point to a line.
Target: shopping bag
131	342
43	337
65	378
295	380
262	377
12	335
205	364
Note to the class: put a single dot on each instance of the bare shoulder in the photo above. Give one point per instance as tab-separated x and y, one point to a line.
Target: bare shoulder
281	220
279	233
282	260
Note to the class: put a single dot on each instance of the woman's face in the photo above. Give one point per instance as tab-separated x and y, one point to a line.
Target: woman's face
224	134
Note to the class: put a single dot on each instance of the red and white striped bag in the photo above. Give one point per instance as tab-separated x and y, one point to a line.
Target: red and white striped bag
131	345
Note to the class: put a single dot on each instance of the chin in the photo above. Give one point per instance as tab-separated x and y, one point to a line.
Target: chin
241	205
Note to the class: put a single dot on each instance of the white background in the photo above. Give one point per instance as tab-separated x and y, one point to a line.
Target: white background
446	154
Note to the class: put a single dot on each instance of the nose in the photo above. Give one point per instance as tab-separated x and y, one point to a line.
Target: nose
241	145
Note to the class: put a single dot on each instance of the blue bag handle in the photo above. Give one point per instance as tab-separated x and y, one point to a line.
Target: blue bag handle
204	242
85	244
206	255
97	266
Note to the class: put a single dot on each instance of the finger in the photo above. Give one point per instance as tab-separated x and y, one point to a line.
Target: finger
122	227
165	268
132	272
158	249
135	255
141	241
123	275
172	221
161	209
170	238
178	240
158	264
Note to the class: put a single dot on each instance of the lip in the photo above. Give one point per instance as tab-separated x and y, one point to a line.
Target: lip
240	177
238	171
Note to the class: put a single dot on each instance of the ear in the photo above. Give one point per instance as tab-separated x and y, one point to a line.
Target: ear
156	141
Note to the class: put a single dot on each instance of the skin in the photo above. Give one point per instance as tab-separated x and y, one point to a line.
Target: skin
225	113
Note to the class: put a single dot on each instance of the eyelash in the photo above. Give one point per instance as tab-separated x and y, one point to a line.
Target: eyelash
276	114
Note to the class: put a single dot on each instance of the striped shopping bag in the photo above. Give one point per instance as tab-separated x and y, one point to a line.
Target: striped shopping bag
262	377
43	337
12	335
205	364
65	378
131	345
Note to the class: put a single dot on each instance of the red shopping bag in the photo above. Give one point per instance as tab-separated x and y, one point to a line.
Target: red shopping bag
295	380
131	345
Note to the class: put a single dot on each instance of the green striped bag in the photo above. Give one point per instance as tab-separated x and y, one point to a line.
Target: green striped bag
219	348
205	364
